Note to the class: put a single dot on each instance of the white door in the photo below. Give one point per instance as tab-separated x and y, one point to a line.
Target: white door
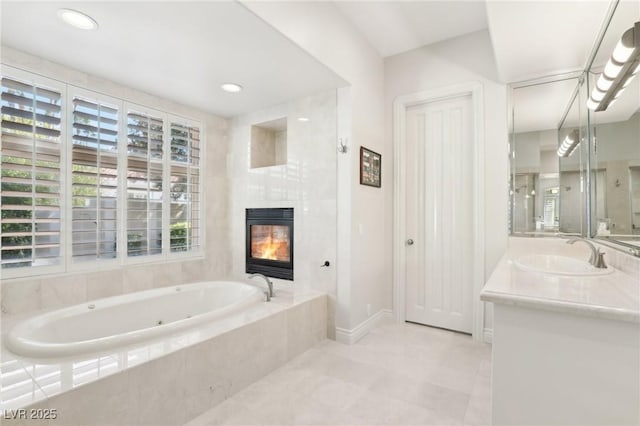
439	213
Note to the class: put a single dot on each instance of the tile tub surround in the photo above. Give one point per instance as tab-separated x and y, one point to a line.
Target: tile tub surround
27	295
399	374
172	380
305	181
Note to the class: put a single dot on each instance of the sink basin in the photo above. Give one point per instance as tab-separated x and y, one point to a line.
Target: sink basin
558	265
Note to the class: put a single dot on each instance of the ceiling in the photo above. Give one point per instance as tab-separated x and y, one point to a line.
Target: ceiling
393	27
531	38
181	50
536	38
541	107
533	109
184	50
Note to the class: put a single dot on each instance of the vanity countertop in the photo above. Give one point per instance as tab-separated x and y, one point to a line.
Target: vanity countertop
615	296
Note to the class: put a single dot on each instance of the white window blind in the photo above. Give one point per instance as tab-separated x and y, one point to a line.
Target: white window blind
185	188
94	179
31	176
144	184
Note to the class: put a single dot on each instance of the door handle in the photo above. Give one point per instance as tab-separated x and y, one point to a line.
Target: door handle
409	242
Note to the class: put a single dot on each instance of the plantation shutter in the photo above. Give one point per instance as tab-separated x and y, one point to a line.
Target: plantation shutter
185	188
30	177
94	179
144	184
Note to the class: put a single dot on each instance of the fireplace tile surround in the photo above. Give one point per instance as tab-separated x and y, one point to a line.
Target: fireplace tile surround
306	183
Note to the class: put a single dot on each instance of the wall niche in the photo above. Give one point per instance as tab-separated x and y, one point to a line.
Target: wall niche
269	143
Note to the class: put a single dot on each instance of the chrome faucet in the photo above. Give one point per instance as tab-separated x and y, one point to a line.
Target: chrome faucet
268	293
597	257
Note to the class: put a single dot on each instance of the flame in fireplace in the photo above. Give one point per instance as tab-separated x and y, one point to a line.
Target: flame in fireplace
268	250
270	242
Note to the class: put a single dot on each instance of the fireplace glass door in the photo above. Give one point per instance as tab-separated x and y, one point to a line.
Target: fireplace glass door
270	242
269	248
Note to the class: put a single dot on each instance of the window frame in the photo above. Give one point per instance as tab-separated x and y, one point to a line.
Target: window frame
187	122
61	87
71	266
122	260
123	160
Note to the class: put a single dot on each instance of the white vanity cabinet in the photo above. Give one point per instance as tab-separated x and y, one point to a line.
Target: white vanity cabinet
566	350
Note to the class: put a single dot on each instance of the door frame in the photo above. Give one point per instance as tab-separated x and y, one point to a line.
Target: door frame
400	106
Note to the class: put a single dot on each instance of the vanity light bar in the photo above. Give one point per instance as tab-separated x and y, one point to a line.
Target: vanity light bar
569	144
622	66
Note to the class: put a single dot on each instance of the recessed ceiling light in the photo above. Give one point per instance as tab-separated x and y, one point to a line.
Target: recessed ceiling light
231	87
303	119
77	19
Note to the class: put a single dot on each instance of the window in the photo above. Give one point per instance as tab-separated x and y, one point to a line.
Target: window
31	163
94	179
144	184
185	187
128	185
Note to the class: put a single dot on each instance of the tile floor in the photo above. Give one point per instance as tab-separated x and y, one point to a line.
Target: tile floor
399	374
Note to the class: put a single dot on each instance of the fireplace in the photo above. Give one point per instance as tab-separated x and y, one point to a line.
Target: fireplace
269	242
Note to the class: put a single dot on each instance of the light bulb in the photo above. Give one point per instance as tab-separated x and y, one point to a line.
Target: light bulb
624	49
611	70
592	105
603	83
77	19
231	87
597	95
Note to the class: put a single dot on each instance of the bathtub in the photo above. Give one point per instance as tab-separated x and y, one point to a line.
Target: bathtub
112	322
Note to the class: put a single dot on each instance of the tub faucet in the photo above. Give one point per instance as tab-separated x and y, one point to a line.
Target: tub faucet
269	293
597	257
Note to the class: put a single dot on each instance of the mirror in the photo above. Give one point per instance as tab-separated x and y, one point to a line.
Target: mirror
572	153
615	146
546	191
596	189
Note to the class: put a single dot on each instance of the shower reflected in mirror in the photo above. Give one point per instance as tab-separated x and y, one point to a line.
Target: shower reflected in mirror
542	195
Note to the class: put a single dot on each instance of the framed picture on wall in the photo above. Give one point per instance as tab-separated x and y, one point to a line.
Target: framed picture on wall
370	167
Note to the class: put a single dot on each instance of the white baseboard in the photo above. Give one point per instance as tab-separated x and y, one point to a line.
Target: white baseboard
488	335
351	336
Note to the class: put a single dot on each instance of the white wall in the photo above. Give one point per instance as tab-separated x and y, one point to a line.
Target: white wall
28	294
549	161
618	140
364	252
460	60
536	152
527	152
306	182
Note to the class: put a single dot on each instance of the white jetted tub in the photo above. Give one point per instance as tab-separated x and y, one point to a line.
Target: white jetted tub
121	320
